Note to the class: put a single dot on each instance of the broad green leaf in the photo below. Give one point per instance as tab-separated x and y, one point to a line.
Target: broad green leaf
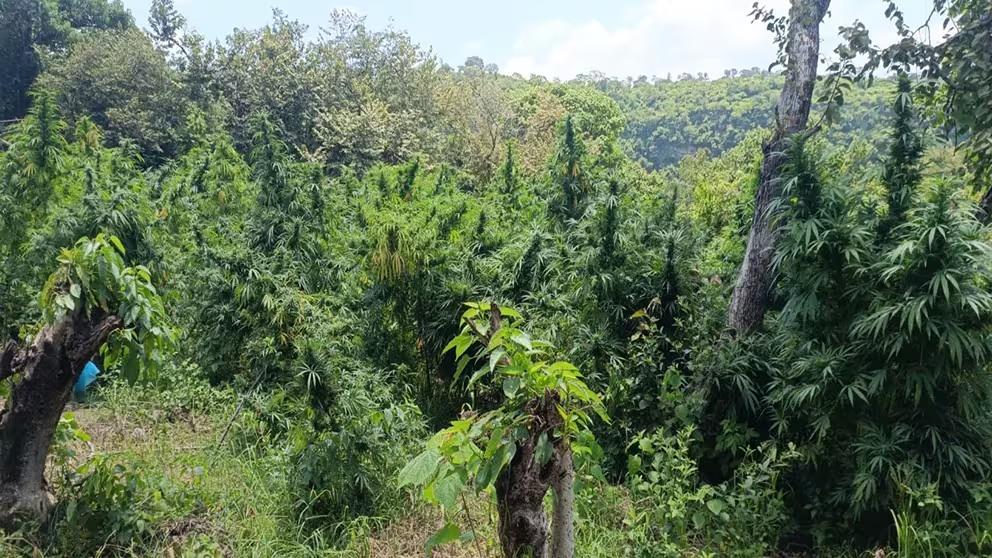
523	340
510	386
450	532
633	465
420	469
447	489
510	312
117	243
478	374
491	467
494	358
495	441
460	367
131	367
715	505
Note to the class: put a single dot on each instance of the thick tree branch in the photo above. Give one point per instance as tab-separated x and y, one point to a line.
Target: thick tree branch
87	342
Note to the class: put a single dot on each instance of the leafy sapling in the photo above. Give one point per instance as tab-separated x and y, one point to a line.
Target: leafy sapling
520	448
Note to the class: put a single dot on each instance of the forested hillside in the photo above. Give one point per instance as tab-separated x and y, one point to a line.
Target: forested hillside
669	120
299	293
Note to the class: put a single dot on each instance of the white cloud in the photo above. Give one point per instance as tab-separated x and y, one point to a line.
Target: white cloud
657	37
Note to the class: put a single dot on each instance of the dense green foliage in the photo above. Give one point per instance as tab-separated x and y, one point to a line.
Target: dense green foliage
310	214
31	28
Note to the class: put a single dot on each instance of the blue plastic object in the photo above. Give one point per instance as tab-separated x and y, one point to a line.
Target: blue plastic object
88	376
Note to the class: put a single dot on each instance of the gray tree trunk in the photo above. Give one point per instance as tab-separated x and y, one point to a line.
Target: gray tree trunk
562	523
753	288
49	367
522	485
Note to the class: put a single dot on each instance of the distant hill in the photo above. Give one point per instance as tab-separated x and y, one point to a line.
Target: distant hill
667	120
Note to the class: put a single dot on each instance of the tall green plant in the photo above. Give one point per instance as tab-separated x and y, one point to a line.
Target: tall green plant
902	172
928	322
569	176
885	355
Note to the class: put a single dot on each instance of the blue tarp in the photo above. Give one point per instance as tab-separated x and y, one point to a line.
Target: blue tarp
88	376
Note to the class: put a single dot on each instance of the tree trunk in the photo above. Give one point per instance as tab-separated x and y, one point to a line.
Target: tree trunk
562	524
49	367
753	288
521	486
985	207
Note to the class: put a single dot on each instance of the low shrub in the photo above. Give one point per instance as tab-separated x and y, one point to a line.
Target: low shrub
671	510
181	389
343	434
110	508
926	527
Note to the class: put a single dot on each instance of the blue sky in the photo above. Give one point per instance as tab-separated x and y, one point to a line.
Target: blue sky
560	38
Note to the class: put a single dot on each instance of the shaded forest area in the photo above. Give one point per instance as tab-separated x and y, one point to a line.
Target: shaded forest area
349	300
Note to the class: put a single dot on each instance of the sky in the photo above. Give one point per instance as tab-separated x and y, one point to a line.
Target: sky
562	38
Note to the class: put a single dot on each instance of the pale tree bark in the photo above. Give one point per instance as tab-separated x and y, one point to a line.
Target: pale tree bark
563	513
48	368
754	283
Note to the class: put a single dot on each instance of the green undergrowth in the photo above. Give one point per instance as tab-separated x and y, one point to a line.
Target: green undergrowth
139	472
146	477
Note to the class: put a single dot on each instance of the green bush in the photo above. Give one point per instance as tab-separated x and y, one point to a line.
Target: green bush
343	434
672	510
925	526
182	389
112	508
349	472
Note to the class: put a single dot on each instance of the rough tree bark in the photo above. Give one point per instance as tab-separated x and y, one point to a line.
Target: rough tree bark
753	288
563	486
520	490
49	367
